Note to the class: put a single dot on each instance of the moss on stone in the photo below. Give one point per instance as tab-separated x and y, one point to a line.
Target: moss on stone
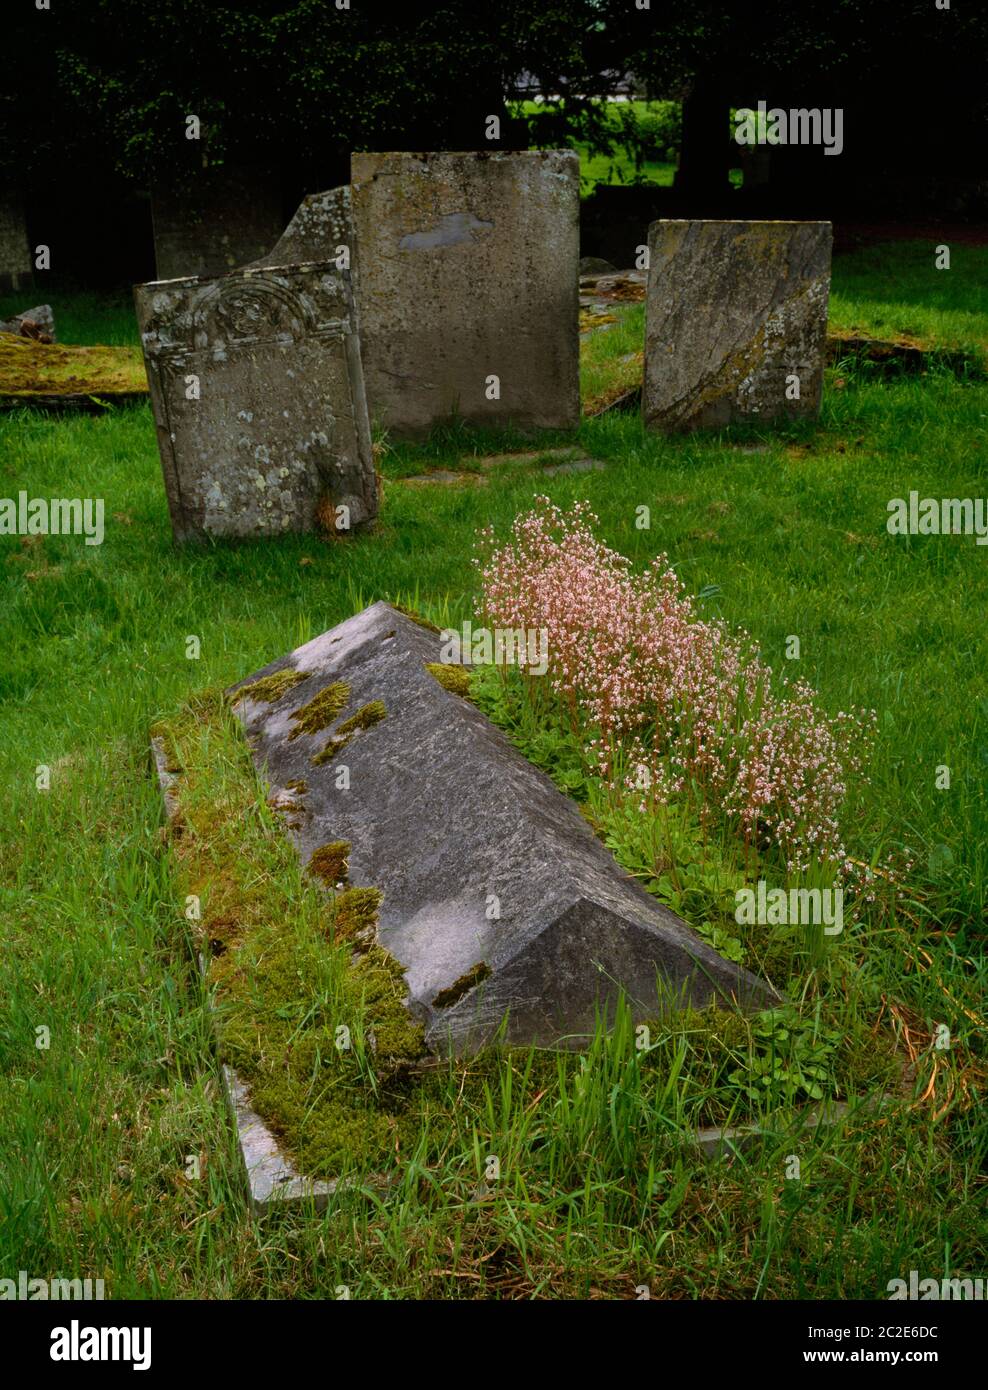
416	617
355	913
271	688
455	679
330	862
32	368
321	710
161	735
454	992
297	786
329	751
397	1039
365	718
287	987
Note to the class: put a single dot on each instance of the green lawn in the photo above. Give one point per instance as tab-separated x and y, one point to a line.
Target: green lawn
600	1190
902	294
616	165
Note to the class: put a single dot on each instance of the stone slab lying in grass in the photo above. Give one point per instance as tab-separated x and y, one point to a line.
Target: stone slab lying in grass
29	368
257	390
735	312
724	1141
901	356
497	897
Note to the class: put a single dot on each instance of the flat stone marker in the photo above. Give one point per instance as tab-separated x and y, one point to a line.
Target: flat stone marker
278	438
498	899
468	271
577	466
734	311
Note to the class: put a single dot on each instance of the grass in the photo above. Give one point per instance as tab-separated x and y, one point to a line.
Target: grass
615	165
903	295
81	316
597	1191
657	123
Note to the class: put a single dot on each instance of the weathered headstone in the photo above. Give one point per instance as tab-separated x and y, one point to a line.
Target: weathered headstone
211	222
258	399
319	231
736	321
15	254
467	287
498	899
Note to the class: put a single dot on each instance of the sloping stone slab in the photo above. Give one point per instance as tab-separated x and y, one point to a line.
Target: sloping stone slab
733	310
525	456
277	437
453	825
87	405
442	477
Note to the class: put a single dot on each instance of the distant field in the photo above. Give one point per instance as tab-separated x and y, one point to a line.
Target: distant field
615	165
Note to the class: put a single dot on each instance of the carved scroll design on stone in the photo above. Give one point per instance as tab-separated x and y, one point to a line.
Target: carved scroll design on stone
249	309
246	310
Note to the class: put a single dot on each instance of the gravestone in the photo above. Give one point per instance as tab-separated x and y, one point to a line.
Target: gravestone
736	321
468	272
214	221
258	400
16	273
321	227
498	899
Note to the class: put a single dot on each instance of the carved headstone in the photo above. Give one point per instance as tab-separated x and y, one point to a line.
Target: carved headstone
498	899
258	399
736	321
467	287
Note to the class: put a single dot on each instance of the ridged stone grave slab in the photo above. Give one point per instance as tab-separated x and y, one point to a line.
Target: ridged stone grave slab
455	827
258	397
734	311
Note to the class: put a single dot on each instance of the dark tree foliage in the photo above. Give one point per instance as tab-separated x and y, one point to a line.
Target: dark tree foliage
115	80
110	83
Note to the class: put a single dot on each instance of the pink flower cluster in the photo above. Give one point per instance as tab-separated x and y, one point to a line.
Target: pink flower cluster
667	704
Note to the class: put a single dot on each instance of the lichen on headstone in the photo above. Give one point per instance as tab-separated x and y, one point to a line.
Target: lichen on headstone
736	320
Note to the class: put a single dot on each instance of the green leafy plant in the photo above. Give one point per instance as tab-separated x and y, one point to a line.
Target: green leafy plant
791	1058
